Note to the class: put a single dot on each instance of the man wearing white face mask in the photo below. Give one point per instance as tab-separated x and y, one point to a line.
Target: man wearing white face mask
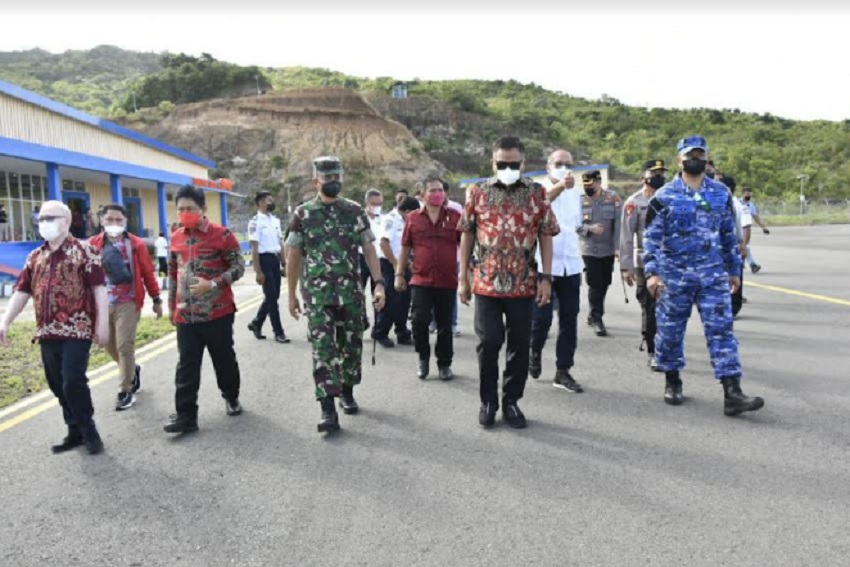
374	210
66	281
567	266
129	271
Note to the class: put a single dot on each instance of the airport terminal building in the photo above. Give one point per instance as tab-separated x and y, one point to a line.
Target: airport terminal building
50	151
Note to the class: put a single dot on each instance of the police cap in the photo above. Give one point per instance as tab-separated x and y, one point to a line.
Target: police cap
655	165
690	144
588	177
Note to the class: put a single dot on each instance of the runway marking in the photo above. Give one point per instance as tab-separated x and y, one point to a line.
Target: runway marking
146	353
800	293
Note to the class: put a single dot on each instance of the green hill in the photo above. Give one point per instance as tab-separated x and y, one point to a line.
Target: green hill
456	121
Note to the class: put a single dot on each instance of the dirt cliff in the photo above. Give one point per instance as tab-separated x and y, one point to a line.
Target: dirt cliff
268	141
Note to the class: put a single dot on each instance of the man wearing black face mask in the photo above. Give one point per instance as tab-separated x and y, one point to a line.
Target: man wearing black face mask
631	248
600	243
324	236
691	258
265	236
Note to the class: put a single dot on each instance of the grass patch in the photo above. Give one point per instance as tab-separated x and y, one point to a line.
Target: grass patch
21	371
808	219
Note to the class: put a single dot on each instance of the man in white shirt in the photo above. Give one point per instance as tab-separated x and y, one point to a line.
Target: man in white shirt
161	246
266	237
397	305
374	204
567	267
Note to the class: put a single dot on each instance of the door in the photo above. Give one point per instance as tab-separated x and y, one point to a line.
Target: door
135	219
79	203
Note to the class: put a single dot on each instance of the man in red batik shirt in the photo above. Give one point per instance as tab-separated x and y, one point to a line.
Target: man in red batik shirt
507	217
205	261
65	279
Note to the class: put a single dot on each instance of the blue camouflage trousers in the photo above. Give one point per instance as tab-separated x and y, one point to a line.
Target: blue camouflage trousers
709	290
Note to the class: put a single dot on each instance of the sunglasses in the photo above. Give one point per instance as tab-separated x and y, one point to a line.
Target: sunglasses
500	165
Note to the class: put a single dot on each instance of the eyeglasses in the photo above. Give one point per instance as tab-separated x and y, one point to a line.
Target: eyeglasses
48	218
562	164
500	165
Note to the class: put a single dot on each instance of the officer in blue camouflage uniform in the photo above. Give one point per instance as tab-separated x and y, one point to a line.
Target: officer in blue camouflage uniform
691	257
323	238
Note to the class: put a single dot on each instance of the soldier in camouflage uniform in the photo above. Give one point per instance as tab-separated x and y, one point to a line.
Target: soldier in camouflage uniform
691	257
323	238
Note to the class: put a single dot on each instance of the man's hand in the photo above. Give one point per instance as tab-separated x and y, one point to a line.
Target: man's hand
655	286
260	277
294	307
201	287
596	229
282	270
171	315
400	283
743	249
629	277
734	283
157	308
464	291
4	333
101	333
380	297
764	230
568	182
544	292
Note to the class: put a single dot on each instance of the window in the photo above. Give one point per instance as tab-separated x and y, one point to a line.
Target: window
67	185
21	193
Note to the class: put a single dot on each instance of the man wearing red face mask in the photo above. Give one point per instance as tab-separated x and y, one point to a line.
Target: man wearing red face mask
431	233
205	261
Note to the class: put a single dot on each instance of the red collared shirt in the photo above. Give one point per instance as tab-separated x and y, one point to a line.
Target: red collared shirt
61	283
434	246
209	252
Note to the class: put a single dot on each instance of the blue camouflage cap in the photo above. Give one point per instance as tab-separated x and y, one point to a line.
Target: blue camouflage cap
691	143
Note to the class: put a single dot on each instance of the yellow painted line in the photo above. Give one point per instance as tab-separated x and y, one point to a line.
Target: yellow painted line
800	293
146	353
29	414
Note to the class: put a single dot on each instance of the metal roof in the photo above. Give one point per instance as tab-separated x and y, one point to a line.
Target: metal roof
30	97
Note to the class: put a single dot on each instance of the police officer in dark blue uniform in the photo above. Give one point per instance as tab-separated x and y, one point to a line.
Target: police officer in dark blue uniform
691	257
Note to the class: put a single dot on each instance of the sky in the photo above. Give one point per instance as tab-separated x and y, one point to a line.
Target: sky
787	60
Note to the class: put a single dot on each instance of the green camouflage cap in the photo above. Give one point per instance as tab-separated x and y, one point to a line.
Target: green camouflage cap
327	165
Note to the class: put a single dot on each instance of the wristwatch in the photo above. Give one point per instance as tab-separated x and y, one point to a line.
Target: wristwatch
157	301
546	277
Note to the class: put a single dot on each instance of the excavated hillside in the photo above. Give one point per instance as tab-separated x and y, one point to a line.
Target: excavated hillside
268	142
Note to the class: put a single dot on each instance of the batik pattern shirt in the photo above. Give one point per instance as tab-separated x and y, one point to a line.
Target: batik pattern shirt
61	283
209	252
507	222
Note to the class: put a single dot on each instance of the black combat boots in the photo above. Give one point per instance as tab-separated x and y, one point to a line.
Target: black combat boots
673	389
330	419
735	402
347	402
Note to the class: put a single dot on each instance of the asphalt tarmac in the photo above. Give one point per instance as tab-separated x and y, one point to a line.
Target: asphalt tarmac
612	476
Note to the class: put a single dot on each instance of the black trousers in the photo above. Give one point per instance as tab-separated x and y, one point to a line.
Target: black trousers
567	291
192	338
65	363
738	296
648	326
270	266
396	309
598	273
439	302
494	319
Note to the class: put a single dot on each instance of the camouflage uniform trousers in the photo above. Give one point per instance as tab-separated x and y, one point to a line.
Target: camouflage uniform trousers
336	334
709	290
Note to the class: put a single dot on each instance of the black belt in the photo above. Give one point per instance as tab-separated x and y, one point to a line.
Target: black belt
269	253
